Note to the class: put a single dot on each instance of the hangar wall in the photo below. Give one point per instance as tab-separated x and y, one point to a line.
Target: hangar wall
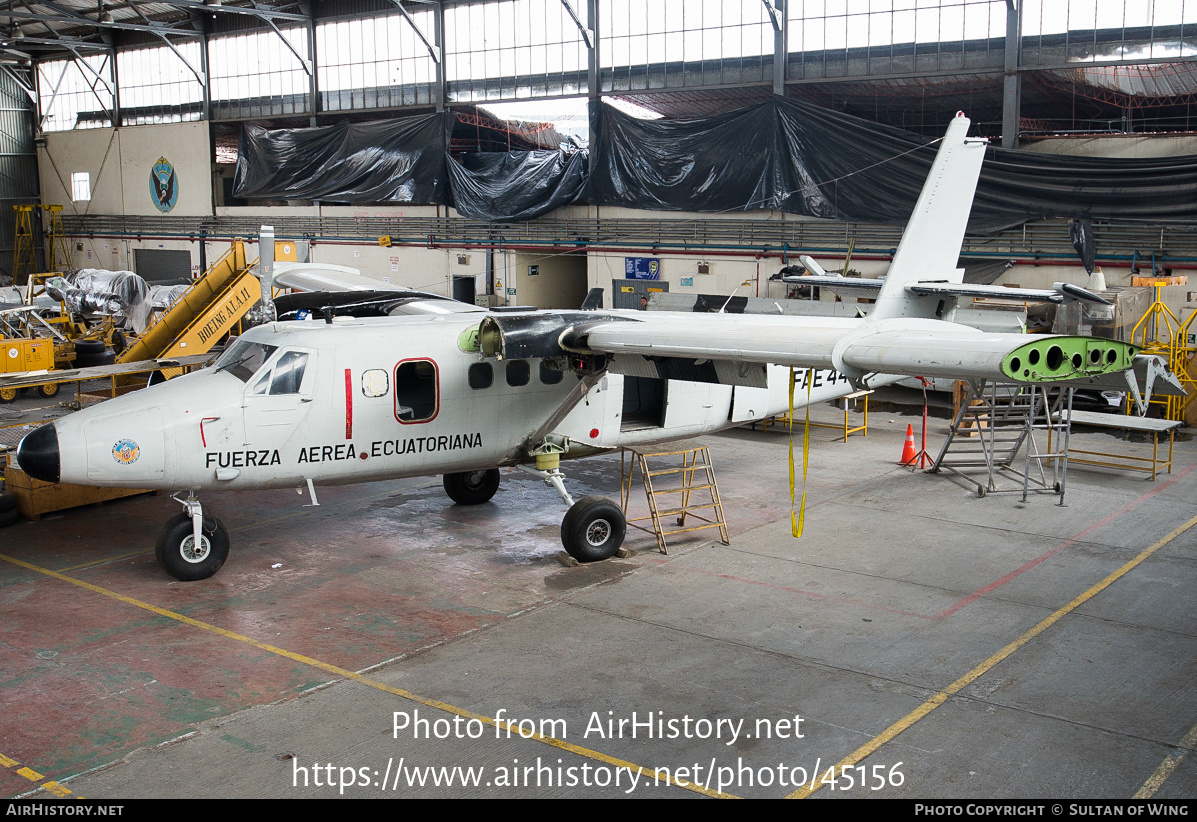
120	161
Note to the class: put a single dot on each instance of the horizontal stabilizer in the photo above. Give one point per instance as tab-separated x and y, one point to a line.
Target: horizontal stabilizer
1059	293
844	286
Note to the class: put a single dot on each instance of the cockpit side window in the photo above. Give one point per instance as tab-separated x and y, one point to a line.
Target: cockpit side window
285	377
243	359
288	372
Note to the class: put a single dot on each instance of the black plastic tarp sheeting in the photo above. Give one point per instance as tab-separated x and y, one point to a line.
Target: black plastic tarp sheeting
386	161
803	159
516	185
782	154
739	161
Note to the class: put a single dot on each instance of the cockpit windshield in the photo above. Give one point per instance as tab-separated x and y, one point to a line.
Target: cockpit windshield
243	358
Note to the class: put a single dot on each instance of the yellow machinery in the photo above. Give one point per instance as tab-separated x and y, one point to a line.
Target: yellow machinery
26	355
24	262
209	310
1161	332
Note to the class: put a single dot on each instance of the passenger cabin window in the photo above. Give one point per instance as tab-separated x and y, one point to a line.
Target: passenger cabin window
550	377
285	377
481	375
417	391
518	373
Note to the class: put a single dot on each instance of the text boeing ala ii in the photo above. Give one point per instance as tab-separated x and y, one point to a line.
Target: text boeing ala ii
444	388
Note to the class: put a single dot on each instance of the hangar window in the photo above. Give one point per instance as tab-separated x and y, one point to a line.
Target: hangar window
518	373
417	392
481	375
550	377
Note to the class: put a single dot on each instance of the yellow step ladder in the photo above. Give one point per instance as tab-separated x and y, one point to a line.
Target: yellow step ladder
693	498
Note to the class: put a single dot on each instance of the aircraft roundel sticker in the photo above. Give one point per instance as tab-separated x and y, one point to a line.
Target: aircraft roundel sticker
164	185
126	452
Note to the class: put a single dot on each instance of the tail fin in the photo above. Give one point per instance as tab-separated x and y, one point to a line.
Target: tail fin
930	246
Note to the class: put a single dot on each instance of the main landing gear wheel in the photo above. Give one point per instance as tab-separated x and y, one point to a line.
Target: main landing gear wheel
593	529
472	487
178	554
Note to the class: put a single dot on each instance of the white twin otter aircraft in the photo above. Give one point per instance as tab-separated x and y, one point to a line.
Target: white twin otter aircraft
450	389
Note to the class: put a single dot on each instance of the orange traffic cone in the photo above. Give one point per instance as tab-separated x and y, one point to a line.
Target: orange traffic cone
908	453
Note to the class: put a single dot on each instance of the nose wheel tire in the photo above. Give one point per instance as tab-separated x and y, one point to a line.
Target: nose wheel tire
472	487
180	557
593	529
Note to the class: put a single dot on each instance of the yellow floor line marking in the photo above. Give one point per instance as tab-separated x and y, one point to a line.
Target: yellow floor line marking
934	702
1161	774
33	776
648	773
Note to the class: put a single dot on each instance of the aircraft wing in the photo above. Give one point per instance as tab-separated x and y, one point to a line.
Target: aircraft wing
674	343
321	277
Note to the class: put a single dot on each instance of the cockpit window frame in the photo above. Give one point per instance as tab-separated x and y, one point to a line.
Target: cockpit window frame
232	360
266	376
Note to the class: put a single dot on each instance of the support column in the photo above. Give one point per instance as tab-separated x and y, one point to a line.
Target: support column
781	34
438	14
313	78
1012	80
592	66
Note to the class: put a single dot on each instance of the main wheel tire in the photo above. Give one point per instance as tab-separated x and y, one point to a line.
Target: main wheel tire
8	501
8	518
472	487
9	394
89	347
175	550
593	529
49	390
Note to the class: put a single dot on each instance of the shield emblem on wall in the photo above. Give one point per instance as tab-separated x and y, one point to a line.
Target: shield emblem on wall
164	185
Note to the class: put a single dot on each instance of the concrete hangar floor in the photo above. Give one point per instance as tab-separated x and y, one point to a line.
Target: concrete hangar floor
928	643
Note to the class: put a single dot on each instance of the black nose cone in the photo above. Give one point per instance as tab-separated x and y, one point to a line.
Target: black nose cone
38	454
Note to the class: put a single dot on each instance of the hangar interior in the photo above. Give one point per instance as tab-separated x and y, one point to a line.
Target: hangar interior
522	153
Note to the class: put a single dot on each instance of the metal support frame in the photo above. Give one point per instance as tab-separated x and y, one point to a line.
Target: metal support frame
1005	420
587	33
434	48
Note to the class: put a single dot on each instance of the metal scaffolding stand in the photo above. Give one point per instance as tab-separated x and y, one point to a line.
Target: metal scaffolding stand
694	461
994	423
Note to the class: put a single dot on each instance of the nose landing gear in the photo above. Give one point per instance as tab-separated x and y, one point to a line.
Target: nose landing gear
192	546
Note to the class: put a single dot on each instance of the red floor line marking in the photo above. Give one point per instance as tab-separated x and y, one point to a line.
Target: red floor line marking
1077	537
973	597
814	594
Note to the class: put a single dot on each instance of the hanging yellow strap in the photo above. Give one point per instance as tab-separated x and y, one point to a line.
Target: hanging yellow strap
798	521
